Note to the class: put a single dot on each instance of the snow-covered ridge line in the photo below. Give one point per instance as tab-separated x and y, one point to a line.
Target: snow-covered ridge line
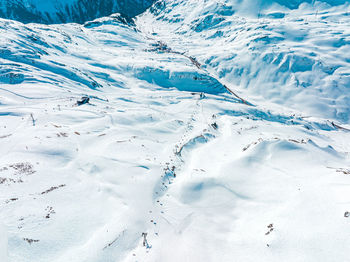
65	11
297	57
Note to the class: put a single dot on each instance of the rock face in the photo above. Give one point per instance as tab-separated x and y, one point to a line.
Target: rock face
64	11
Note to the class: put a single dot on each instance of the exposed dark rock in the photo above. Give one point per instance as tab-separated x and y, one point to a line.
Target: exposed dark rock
77	11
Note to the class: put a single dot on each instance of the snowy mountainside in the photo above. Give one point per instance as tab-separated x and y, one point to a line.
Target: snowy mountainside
274	53
63	11
197	132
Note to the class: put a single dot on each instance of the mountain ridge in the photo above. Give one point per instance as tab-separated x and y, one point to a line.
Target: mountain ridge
78	11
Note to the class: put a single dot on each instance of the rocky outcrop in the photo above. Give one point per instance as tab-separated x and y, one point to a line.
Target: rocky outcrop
64	11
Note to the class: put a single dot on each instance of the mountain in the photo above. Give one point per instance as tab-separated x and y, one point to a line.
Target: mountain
268	49
195	131
64	11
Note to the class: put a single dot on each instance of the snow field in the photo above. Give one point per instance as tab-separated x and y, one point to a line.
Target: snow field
163	163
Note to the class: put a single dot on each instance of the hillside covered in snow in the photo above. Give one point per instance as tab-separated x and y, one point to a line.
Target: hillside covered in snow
197	130
64	11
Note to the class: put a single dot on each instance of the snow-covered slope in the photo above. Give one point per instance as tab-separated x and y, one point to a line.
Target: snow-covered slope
198	132
3	244
295	57
63	11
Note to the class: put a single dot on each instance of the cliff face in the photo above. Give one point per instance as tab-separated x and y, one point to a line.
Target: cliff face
64	11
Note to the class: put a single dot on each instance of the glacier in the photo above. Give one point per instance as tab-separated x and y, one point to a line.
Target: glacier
197	130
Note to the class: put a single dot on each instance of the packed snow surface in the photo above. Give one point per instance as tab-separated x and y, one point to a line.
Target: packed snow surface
3	244
200	131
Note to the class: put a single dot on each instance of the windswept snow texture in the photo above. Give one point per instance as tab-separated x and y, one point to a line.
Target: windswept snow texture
3	244
63	11
201	131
